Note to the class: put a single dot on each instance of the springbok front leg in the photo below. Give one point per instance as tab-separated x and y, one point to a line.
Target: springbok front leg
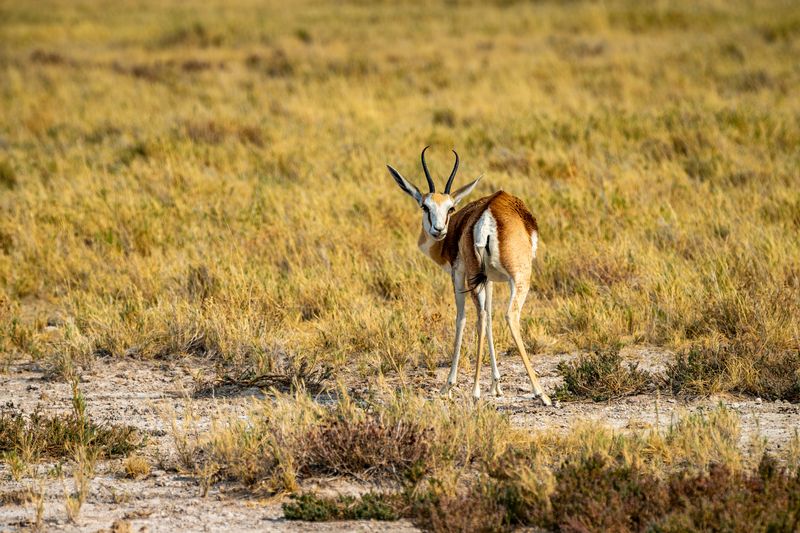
479	297
492	357
461	320
519	291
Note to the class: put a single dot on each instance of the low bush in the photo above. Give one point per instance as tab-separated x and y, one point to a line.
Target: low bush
461	467
473	507
698	371
592	494
371	446
601	376
313	508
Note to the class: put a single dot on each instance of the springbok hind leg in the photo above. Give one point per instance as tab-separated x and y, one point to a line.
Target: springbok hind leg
479	298
496	390
519	291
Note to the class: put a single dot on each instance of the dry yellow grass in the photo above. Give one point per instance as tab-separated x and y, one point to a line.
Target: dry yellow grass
136	467
207	178
275	445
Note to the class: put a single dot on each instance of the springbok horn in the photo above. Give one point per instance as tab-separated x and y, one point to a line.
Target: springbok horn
452	175
427	174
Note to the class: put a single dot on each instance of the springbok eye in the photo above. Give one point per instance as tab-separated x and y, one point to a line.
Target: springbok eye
425	208
451	211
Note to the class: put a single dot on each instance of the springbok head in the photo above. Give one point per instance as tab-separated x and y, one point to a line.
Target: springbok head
436	207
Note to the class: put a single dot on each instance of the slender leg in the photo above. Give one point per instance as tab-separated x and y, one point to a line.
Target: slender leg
492	357
461	320
519	290
479	297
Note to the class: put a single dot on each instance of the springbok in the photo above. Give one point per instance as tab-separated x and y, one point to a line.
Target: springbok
491	239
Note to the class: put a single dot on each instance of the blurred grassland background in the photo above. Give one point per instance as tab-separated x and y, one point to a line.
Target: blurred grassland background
207	178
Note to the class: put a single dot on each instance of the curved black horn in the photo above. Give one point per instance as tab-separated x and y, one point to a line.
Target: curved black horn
427	174
452	175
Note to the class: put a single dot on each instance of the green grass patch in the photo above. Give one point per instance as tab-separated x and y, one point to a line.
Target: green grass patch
313	508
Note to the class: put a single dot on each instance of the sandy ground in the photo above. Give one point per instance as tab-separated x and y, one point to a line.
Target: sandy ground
146	394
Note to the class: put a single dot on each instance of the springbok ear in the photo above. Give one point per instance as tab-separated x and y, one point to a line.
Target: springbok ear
410	189
464	191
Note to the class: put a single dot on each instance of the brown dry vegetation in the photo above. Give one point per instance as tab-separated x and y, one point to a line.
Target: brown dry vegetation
207	181
462	467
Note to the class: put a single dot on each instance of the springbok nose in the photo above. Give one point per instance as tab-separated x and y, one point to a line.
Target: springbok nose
438	229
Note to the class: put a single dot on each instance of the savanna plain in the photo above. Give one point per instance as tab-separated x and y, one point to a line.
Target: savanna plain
213	314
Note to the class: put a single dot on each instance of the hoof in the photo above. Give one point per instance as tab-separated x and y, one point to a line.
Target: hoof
476	395
447	390
545	399
496	390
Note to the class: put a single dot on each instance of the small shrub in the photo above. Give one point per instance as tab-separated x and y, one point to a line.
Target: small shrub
195	34
366	447
698	371
45	57
476	507
778	376
120	526
137	150
195	65
601	377
593	496
720	500
370	506
522	487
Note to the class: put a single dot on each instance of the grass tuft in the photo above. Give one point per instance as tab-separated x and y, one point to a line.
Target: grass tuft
136	467
54	436
772	374
8	178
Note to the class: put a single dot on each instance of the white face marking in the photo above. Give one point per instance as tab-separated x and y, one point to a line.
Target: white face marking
436	211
